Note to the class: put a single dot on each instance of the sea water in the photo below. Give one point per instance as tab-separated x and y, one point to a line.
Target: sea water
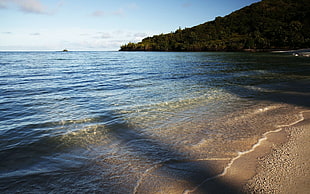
137	122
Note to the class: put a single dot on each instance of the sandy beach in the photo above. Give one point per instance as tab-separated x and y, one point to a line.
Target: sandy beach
278	163
286	169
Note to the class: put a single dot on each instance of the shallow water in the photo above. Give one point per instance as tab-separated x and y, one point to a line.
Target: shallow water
114	122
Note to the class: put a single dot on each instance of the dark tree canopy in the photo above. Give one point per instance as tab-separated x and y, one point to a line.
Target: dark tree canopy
269	24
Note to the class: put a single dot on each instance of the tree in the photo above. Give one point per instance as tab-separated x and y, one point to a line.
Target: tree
266	24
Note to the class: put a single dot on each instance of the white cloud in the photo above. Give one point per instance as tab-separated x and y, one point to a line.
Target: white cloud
107	40
119	12
7	32
84	34
105	35
98	13
139	35
101	13
58	39
30	6
133	6
3	4
100	35
35	34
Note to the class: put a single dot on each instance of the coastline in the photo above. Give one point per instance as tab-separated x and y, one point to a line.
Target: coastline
257	166
277	163
286	169
302	52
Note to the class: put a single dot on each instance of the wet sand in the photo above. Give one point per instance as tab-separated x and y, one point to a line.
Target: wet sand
286	169
278	163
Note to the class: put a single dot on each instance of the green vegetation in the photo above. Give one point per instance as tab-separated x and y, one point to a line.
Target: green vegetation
269	24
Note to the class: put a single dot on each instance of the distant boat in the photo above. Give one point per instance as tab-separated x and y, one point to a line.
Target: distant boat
65	50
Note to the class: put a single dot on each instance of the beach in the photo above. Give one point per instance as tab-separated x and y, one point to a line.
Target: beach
277	163
286	168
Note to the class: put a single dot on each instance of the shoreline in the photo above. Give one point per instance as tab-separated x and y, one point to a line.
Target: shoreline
286	169
275	156
243	171
251	171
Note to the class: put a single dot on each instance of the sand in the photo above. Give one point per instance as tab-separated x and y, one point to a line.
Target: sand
286	169
278	163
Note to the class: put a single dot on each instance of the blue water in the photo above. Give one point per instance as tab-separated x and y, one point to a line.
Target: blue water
99	121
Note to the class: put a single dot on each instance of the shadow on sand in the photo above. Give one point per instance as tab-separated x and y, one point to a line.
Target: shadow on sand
178	173
173	172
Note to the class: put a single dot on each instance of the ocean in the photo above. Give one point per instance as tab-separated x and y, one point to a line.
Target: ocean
138	122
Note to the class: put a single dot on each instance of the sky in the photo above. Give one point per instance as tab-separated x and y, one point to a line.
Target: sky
100	25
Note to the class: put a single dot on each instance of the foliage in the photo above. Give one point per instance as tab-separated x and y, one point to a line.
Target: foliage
269	24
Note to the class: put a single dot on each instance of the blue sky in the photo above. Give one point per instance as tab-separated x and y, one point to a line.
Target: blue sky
100	24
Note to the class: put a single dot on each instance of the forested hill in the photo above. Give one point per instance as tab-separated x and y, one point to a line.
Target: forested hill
269	24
